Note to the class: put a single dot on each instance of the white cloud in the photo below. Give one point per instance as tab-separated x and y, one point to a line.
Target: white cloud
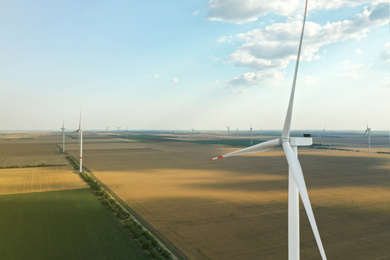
308	80
225	39
385	55
252	79
214	58
247	10
156	76
336	4
353	71
359	51
195	13
276	45
244	11
175	80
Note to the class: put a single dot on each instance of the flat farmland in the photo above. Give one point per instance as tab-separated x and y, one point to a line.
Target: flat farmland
50	212
38	179
236	208
89	145
26	148
22	161
67	224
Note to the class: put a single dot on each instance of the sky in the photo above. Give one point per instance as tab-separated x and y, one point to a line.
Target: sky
205	64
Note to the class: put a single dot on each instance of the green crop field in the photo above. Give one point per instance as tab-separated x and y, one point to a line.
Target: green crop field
69	224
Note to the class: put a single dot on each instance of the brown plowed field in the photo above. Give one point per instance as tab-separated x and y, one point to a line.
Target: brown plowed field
236	208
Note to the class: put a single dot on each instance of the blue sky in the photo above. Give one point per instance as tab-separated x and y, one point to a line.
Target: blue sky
202	64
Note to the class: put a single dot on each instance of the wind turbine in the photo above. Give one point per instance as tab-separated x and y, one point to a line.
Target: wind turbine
237	131
63	136
119	127
368	132
80	130
228	128
127	128
297	184
193	130
323	131
106	128
250	128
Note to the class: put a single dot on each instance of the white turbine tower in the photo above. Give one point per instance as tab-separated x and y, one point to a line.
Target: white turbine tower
296	180
228	128
63	136
80	130
127	128
368	132
250	128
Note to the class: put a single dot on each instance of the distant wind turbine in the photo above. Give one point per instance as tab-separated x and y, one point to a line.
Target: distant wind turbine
119	127
296	180
323	131
228	128
80	130
127	128
106	128
63	136
368	132
250	128
237	131
193	130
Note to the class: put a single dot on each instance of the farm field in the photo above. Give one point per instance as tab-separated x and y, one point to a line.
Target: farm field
38	179
68	224
23	161
236	208
48	212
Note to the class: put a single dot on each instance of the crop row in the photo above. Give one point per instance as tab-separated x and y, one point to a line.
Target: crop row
147	241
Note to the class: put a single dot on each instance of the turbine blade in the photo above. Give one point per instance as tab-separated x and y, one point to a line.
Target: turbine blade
262	147
365	132
287	122
78	130
296	170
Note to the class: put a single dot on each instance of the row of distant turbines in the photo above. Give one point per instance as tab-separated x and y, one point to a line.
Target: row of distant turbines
80	131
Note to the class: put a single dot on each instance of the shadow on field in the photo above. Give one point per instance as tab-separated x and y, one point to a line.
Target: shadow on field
241	230
236	208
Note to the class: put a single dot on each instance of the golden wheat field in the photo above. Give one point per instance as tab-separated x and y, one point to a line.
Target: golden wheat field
21	171
236	208
37	179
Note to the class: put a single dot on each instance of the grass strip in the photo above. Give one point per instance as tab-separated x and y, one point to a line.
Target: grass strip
73	162
32	166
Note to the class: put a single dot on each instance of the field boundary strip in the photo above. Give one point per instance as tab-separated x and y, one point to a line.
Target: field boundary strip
32	166
168	245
